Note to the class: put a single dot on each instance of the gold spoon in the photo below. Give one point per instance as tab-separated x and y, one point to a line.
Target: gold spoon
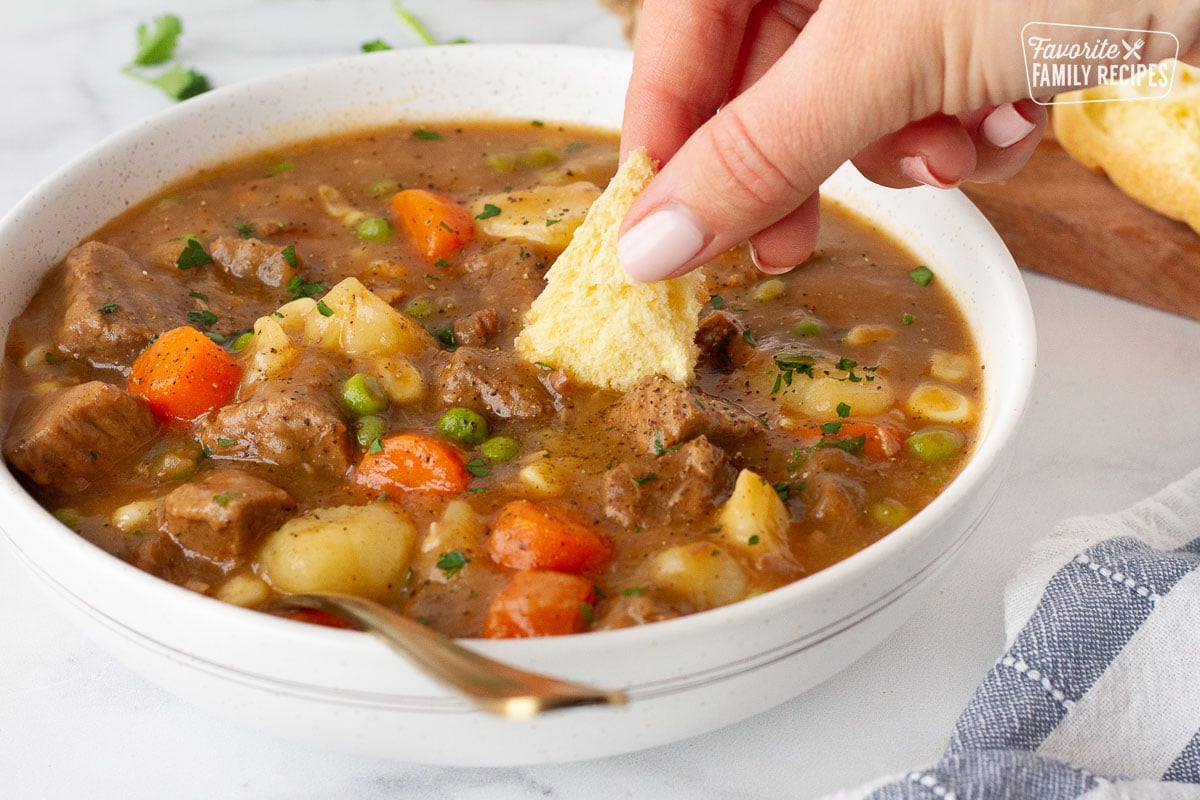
493	686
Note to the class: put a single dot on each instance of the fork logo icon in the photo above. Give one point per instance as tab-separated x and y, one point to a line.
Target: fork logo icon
1134	50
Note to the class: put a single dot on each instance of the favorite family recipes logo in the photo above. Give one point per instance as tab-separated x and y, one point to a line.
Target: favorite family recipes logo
1060	58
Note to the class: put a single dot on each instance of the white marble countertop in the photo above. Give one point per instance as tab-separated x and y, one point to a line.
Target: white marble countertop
1111	420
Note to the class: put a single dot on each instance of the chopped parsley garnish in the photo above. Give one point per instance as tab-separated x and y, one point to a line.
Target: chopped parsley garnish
223	498
445	335
788	366
785	490
52	358
199	296
417	27
589	613
280	168
633	591
323	309
537	123
451	562
289	255
649	476
488	212
441	262
717	302
108	308
921	275
375	46
245	231
376	446
478	467
550	222
831	428
155	47
193	255
749	338
754	539
205	318
659	449
843	410
847	365
907	319
426	135
226	442
298	288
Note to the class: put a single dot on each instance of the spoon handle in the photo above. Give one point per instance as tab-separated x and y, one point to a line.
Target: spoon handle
493	686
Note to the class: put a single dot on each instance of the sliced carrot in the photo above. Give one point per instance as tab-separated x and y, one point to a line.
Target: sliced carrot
183	374
531	535
539	603
436	224
880	442
413	462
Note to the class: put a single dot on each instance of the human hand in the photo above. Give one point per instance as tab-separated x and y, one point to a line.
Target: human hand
913	91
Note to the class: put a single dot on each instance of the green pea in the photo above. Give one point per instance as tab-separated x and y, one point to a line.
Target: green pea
387	186
362	395
538	157
370	428
935	445
175	464
463	425
243	341
500	448
888	512
69	517
502	162
770	290
374	229
809	326
419	308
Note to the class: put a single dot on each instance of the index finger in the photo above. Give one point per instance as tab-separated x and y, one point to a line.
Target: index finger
684	60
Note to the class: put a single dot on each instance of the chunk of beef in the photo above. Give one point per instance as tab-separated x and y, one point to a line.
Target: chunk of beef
222	515
161	556
493	381
71	437
291	421
657	413
252	258
513	272
684	486
625	611
114	307
722	343
476	329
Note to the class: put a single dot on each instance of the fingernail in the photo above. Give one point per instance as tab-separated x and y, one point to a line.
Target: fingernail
917	168
769	269
661	243
1005	126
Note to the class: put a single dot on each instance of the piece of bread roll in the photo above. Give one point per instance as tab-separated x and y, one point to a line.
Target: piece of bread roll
597	324
1149	148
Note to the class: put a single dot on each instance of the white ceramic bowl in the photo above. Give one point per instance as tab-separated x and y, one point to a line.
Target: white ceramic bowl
684	676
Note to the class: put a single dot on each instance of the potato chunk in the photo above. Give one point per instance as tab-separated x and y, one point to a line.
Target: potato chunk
546	215
753	519
358	550
700	573
351	319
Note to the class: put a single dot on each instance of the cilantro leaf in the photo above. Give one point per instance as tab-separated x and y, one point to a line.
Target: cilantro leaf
193	255
375	46
451	562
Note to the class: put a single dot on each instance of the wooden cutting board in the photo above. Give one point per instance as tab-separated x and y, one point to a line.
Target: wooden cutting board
1059	218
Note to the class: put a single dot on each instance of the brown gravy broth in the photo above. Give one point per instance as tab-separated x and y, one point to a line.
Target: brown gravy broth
850	341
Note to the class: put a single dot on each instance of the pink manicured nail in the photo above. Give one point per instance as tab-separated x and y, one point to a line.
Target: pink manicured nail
917	168
1005	126
769	269
661	243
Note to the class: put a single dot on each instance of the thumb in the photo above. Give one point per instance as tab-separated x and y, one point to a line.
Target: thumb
766	152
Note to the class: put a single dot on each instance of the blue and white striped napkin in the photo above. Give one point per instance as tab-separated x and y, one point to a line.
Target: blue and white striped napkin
1097	695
